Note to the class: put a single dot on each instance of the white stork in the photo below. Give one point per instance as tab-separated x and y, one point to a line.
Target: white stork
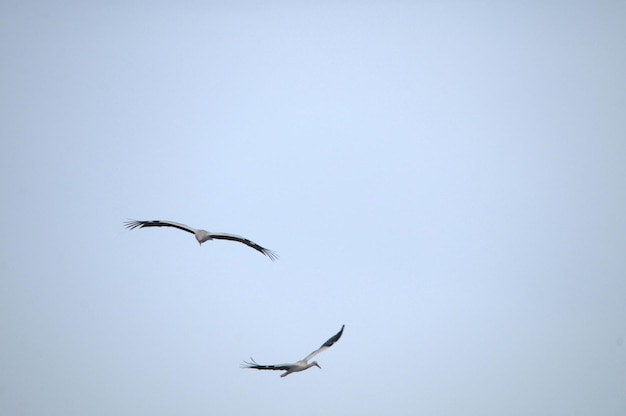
297	366
201	235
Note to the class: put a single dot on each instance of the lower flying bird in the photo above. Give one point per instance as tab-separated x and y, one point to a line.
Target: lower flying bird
300	365
201	235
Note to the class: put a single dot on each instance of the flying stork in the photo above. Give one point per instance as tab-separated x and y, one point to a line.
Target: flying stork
201	235
297	366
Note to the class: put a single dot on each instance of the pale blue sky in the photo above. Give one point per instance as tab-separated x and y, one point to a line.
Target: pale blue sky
447	179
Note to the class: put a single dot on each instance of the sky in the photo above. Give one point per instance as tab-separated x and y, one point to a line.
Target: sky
447	179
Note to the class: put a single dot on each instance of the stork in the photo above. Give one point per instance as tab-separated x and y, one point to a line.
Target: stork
299	365
201	235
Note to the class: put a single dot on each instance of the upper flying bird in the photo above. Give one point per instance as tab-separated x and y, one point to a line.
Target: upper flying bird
201	235
297	366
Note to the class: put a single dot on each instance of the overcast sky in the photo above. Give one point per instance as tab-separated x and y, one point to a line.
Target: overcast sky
447	179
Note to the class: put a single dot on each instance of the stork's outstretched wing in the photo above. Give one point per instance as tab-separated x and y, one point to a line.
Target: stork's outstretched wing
257	366
232	237
329	343
131	225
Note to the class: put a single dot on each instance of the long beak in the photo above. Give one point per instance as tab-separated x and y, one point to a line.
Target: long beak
318	366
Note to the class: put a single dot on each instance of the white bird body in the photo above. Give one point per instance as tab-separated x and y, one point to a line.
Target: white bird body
300	365
201	235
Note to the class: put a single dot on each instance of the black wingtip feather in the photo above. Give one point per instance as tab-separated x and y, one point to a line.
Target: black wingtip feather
334	338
